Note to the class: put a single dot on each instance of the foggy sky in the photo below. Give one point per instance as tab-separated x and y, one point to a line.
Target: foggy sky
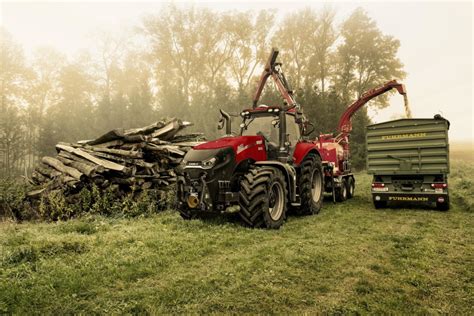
436	42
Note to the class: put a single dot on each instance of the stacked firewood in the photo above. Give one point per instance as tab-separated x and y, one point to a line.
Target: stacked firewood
129	160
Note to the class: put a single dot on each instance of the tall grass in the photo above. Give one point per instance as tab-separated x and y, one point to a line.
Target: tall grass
349	259
462	184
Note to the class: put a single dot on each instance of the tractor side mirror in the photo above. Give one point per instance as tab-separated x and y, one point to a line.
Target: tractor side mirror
225	120
220	125
308	128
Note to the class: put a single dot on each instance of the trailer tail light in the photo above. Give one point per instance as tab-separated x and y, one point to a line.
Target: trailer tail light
378	186
439	185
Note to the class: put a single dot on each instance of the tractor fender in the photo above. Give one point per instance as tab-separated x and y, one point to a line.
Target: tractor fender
288	171
302	150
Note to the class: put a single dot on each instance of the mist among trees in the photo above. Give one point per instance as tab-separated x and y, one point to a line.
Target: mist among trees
188	63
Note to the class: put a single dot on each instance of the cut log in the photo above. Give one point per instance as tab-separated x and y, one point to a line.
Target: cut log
104	163
112	135
145	130
48	171
158	141
128	181
147	185
64	154
133	146
112	143
167	148
82	167
120	152
169	130
38	178
58	165
137	162
35	193
69	181
136	138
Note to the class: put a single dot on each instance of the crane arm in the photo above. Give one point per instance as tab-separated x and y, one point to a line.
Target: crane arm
272	69
345	124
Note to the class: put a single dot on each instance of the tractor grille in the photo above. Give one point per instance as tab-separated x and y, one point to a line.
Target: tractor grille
224	184
194	173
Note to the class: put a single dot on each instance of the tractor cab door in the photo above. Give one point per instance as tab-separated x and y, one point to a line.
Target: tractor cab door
272	136
292	131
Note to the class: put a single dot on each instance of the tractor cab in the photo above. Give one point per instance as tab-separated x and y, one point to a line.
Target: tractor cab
265	121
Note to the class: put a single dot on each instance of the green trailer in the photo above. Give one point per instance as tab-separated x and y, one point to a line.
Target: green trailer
409	161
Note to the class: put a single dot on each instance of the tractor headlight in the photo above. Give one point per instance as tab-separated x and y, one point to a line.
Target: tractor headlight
209	163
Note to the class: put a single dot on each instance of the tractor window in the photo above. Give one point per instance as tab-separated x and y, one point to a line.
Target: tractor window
262	124
292	129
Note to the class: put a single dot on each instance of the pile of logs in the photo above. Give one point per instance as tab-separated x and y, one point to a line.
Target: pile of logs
133	159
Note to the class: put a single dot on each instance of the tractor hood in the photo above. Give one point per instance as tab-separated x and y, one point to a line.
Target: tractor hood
244	147
232	141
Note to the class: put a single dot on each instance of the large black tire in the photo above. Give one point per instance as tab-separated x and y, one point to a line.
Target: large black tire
311	185
263	197
443	206
350	187
187	214
341	192
380	204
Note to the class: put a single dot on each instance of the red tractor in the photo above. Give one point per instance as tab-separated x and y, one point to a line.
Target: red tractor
269	167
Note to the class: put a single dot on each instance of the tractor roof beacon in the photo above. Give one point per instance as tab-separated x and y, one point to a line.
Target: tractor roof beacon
267	169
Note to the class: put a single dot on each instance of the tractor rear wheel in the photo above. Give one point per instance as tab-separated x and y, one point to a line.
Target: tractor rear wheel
263	197
311	185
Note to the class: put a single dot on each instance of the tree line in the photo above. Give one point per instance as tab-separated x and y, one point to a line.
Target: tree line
188	63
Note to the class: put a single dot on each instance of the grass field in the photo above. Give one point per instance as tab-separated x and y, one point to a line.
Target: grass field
349	258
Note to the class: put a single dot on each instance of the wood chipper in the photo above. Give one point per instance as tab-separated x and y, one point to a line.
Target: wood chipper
335	150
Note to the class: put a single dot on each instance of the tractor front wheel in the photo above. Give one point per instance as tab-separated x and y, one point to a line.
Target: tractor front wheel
263	197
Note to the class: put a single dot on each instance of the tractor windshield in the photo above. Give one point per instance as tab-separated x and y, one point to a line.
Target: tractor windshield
269	127
262	124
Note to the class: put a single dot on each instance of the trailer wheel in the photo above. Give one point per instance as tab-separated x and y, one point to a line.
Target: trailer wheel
341	192
350	187
380	204
443	206
263	197
311	184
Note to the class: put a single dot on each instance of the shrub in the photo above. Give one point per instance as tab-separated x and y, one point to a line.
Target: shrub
12	200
